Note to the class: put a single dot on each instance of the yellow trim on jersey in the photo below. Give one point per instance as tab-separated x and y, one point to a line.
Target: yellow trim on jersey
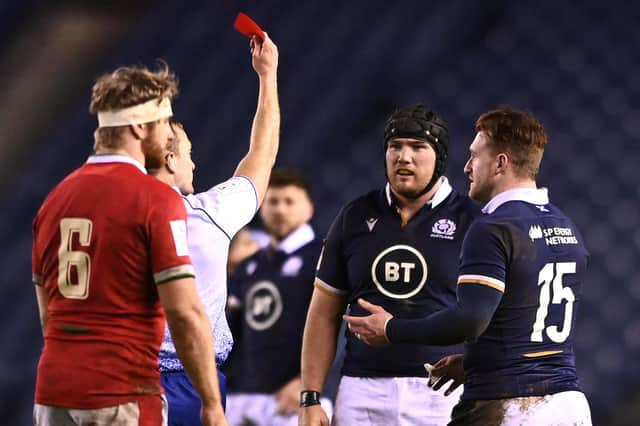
544	353
482	280
327	289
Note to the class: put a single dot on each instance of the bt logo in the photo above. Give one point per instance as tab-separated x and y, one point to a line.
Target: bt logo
263	305
399	271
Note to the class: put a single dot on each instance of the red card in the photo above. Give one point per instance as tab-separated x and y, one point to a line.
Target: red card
248	27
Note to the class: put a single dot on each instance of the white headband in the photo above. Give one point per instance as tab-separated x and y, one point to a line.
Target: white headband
152	110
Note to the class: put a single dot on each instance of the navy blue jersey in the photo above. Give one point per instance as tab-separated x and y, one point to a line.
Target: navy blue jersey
275	289
410	270
535	255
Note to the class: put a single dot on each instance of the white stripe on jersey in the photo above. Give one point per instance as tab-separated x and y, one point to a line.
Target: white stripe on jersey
483	280
172	273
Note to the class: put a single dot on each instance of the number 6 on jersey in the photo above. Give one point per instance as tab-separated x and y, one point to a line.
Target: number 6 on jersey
70	261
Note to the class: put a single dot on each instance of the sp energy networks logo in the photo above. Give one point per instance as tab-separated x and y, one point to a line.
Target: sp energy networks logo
535	232
399	271
263	305
444	228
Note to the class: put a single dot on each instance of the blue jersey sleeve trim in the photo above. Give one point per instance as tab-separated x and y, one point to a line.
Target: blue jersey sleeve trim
207	214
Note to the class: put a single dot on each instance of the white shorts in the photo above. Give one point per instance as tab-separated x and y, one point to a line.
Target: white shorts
393	401
559	409
151	410
258	409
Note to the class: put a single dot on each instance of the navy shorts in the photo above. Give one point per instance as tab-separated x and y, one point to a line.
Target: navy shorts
184	401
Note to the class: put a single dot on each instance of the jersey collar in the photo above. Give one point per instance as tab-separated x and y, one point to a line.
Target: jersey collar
441	194
298	238
537	196
115	158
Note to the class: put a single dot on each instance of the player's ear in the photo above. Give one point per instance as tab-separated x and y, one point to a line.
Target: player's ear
138	130
502	161
170	161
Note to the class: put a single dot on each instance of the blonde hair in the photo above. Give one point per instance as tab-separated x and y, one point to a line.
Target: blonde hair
126	87
519	134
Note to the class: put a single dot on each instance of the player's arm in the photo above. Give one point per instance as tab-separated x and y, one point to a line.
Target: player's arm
466	321
479	291
43	300
192	337
265	131
175	281
319	346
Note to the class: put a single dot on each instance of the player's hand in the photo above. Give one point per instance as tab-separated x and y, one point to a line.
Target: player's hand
288	397
448	368
264	55
313	416
213	415
371	328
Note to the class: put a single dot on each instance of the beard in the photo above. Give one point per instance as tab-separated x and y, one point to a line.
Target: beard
153	152
412	194
479	193
278	229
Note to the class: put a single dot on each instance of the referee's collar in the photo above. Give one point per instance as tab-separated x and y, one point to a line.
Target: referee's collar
115	158
441	194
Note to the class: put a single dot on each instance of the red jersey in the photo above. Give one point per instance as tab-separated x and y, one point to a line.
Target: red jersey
102	240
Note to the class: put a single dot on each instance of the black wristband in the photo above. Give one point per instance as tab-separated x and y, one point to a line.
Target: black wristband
309	398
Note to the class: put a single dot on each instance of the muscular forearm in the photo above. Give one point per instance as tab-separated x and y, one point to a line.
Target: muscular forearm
265	136
192	337
265	130
268	107
318	349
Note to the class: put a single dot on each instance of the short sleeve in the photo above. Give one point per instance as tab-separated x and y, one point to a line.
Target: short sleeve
332	271
229	205
167	230
483	258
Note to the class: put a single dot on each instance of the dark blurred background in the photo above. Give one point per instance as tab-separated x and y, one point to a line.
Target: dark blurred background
344	66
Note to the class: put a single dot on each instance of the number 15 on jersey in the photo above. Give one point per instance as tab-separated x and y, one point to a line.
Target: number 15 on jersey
550	281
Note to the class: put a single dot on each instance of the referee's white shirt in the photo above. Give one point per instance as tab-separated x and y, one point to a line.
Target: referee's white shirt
213	218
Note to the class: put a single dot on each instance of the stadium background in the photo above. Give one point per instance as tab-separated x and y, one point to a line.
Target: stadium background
344	66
